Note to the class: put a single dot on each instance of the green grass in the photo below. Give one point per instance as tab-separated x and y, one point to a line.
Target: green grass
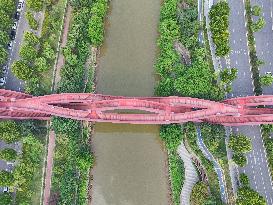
38	183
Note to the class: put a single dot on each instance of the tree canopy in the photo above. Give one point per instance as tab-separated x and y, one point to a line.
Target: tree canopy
247	196
8	154
21	70
9	131
6	178
240	143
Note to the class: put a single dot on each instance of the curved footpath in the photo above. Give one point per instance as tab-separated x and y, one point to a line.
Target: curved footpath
217	167
191	176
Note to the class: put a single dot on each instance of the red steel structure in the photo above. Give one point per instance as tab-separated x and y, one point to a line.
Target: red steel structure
155	110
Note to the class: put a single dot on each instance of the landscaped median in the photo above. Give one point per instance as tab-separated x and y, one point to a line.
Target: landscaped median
219	21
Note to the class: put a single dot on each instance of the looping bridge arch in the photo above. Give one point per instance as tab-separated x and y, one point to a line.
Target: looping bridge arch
249	110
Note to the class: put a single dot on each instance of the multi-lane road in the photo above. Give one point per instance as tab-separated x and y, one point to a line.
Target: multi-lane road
257	167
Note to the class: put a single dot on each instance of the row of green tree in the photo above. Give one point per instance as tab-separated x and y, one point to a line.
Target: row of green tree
219	23
7	9
73	158
21	179
38	54
267	131
172	137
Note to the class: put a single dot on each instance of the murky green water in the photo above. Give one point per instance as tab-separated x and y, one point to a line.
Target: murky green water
130	163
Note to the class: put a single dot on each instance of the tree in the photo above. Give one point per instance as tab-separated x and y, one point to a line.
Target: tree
228	75
258	25
240	143
3	55
41	64
21	70
8	154
239	159
28	53
35	5
6	178
4	38
256	10
30	38
5	21
31	20
244	179
48	52
247	196
8	6
9	131
5	199
96	30
266	80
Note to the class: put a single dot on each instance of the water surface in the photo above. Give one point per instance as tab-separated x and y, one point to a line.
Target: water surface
130	162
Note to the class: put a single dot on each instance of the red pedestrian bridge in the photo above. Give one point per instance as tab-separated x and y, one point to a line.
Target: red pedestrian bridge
250	110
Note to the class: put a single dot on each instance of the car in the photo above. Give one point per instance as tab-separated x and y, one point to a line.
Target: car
2	81
12	34
5	189
14	27
10	44
17	15
5	69
19	6
268	73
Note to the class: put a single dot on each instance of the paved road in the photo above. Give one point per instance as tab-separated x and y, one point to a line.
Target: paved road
243	86
264	40
13	83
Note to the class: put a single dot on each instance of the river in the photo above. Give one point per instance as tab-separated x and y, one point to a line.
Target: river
130	166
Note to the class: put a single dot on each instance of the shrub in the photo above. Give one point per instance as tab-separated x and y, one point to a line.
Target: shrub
31	20
199	194
244	179
35	5
256	10
258	25
239	159
266	80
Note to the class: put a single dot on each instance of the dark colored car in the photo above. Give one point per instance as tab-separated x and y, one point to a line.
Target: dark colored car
12	34
17	15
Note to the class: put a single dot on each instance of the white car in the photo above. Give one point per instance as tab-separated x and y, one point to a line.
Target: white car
5	69
2	81
10	44
268	73
14	27
19	6
5	189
